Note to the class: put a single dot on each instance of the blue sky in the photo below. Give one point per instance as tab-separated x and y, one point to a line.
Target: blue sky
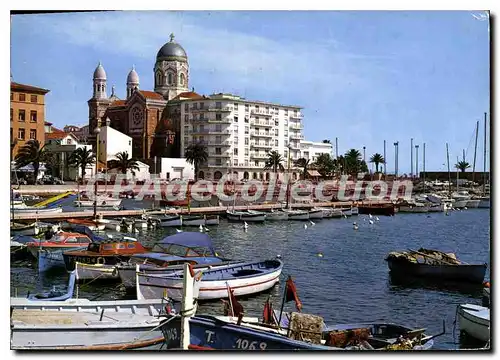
361	76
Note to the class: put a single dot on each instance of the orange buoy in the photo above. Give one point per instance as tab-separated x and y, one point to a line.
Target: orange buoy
486	284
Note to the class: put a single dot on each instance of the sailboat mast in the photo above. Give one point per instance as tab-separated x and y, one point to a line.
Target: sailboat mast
484	157
457	173
475	150
449	174
424	168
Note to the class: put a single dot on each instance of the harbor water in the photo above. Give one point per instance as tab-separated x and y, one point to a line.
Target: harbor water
340	273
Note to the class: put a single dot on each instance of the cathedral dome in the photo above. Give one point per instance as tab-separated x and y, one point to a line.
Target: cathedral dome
133	77
171	49
99	73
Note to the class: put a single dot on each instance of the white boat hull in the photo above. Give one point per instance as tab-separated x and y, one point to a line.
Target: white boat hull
212	220
297	215
151	286
354	211
171	222
484	203
154	287
473	204
36	211
459	204
86	272
436	208
193	222
277	216
475	321
100	202
31	231
413	209
316	214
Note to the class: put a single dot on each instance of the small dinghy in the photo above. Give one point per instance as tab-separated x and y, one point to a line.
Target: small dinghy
245	278
56	295
436	265
474	320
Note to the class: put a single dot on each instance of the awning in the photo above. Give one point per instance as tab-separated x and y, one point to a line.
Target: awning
313	173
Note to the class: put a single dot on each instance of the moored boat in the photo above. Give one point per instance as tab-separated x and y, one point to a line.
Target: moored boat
32	210
193	220
436	265
296	214
244	279
474	320
24	229
412	207
377	209
212	220
315	213
170	220
93	225
276	216
56	295
484	202
473	203
248	216
59	241
101	202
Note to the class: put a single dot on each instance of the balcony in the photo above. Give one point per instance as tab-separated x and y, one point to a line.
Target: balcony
296	136
296	116
296	127
221	121
219	143
261	134
211	108
295	146
200	131
217	165
258	156
219	155
261	145
221	131
261	113
262	123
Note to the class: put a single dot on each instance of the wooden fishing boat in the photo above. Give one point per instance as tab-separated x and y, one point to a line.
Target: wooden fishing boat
93	225
474	320
59	241
56	295
277	216
436	265
245	278
247	216
169	254
24	229
41	329
193	220
377	209
106	254
32	210
315	214
170	220
296	214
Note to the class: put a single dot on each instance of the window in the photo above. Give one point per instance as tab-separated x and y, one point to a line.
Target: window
130	142
276	142
246	129
246	120
276	132
218	117
186	107
218	128
181	79
218	105
256	163
286	112
218	151
186	117
22	97
21	115
235	162
235	106
168	175
20	134
218	139
286	142
68	141
202	105
32	134
202	116
11	114
246	141
276	123
12	96
246	153
33	116
169	76
235	152
235	139
33	98
235	119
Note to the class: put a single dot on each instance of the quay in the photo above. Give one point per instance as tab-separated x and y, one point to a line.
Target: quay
211	210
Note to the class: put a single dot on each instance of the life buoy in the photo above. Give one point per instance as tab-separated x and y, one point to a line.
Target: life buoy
100	260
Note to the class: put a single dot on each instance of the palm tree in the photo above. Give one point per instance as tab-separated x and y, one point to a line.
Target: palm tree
325	164
462	165
353	161
274	161
339	165
377	159
32	153
303	164
52	164
81	158
123	163
196	154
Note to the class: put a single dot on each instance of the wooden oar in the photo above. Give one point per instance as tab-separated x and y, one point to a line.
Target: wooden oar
432	257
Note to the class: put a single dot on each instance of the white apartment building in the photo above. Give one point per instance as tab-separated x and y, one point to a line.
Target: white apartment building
111	142
310	150
239	134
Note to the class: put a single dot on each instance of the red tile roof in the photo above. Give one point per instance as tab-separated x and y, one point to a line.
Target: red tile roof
23	87
55	135
118	103
188	95
151	95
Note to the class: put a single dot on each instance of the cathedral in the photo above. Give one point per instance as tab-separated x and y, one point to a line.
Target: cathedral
151	118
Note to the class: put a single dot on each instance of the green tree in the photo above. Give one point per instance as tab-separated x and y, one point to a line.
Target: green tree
52	164
462	165
353	161
274	162
303	164
196	155
32	153
377	159
81	158
325	165
123	163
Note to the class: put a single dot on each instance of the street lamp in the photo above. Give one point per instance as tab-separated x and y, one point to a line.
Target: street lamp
364	153
396	145
289	146
97	130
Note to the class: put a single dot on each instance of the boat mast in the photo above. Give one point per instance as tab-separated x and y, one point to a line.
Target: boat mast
475	149
288	179
424	167
457	174
484	157
449	174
